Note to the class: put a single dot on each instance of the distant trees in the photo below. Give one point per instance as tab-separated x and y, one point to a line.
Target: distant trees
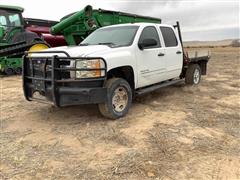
235	43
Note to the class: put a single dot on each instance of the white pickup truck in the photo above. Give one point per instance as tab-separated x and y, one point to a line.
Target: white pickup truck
110	66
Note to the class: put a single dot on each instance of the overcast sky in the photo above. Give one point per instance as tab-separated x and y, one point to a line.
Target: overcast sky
199	19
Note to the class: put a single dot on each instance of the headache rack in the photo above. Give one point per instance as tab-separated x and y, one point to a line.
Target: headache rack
50	75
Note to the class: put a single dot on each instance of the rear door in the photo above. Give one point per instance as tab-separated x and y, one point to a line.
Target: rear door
150	61
173	52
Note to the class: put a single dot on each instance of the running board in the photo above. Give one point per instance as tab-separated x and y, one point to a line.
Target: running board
157	86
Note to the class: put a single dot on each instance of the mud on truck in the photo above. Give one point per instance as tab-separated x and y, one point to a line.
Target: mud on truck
110	67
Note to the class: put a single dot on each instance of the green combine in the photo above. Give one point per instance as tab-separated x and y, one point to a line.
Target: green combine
77	26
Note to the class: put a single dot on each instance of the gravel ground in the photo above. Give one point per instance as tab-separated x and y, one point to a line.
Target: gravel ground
178	132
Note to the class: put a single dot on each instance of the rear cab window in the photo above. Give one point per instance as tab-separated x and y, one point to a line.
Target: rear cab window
169	36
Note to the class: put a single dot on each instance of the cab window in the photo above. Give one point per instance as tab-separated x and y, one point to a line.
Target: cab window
15	20
3	21
169	37
150	32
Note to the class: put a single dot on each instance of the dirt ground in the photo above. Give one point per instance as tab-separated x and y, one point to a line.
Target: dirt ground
178	132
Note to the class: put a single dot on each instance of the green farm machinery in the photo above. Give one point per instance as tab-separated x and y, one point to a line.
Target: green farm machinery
77	26
16	37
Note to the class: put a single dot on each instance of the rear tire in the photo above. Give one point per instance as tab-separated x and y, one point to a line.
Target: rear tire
9	71
119	99
193	74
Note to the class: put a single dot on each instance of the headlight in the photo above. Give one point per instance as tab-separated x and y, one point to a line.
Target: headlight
95	64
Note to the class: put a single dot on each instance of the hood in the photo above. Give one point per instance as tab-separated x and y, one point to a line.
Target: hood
81	51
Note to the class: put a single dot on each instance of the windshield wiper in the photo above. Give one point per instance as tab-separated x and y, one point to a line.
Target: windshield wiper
84	44
107	43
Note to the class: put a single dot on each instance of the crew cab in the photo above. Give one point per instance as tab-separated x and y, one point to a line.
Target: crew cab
110	67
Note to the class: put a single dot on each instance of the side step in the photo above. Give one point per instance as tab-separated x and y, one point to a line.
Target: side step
157	86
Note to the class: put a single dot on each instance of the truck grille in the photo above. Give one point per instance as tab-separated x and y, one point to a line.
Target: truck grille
42	68
38	67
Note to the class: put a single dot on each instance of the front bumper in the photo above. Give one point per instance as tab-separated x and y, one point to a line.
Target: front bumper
48	80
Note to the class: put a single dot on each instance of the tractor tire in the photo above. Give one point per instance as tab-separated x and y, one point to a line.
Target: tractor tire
193	74
9	71
119	99
18	70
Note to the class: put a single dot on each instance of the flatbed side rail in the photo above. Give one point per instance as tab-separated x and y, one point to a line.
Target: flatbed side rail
52	68
200	58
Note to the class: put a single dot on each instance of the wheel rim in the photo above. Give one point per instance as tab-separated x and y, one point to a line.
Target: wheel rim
196	76
120	99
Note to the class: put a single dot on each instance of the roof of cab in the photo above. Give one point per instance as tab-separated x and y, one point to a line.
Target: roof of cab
15	8
137	24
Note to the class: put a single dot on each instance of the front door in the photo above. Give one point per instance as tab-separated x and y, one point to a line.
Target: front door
151	60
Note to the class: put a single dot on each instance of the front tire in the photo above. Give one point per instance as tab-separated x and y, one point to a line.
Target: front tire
119	98
193	74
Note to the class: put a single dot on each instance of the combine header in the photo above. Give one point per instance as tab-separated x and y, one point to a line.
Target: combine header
77	26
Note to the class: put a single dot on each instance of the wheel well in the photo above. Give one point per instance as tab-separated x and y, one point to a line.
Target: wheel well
125	72
202	64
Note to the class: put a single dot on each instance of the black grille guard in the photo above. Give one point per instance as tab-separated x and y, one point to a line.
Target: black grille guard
55	70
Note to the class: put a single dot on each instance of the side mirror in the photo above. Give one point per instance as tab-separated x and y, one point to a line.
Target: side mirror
147	43
1	32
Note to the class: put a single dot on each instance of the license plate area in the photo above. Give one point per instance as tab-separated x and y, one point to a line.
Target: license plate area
38	95
39	85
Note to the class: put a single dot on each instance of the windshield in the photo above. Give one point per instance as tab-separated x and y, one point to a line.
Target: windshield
9	19
113	36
